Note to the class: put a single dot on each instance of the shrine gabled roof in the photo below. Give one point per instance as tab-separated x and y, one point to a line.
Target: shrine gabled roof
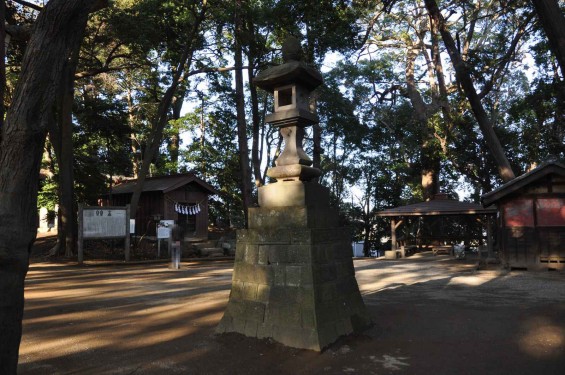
440	205
543	170
164	184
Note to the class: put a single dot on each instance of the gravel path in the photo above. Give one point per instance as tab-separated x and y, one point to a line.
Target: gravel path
433	315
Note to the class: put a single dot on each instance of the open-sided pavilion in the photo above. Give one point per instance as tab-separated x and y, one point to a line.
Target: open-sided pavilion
438	208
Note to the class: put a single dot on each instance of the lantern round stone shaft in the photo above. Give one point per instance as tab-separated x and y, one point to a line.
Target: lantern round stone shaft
293	152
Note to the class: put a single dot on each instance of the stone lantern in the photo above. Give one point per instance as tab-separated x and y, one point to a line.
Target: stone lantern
293	278
291	83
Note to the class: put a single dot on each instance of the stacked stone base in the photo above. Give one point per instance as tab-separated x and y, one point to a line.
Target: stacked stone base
294	279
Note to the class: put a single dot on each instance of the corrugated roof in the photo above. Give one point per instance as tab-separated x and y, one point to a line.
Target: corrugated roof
440	205
164	184
544	169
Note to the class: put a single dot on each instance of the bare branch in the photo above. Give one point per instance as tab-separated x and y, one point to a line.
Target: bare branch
105	69
216	70
29	5
505	60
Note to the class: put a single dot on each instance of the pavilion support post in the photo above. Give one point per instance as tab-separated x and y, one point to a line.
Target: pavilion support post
489	238
393	247
393	234
466	238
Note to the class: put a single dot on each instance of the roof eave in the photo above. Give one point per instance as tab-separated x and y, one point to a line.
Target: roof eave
487	211
522	181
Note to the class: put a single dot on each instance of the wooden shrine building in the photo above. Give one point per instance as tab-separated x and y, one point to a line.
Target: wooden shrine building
182	198
440	231
532	218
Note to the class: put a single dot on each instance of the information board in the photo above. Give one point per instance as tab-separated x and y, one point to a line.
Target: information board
104	222
164	228
99	223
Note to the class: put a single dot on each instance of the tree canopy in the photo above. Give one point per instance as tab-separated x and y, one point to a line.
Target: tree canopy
426	96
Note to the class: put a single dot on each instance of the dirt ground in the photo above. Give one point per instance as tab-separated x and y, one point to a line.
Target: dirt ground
432	315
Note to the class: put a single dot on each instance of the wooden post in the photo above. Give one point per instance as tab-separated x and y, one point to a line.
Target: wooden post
489	237
393	234
127	239
393	226
80	249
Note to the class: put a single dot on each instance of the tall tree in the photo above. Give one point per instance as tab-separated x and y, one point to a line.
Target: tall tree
553	22
465	80
160	119
57	32
240	108
61	135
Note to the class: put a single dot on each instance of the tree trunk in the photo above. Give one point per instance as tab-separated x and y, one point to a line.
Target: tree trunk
60	130
174	142
367	237
156	135
464	78
2	60
553	22
241	123
367	227
66	175
135	150
57	32
61	134
429	159
203	165
317	146
255	154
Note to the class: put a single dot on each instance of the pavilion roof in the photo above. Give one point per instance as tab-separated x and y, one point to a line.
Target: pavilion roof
440	205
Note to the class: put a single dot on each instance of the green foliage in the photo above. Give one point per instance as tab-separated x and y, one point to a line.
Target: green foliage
47	196
376	143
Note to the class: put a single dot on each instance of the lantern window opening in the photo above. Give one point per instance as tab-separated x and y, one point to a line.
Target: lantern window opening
285	97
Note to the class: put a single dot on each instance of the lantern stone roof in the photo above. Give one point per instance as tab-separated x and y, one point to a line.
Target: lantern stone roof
440	205
291	72
164	184
294	69
542	171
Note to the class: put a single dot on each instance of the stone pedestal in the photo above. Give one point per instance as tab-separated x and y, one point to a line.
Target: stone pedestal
293	278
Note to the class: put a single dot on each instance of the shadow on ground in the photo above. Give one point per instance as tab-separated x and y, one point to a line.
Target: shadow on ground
433	315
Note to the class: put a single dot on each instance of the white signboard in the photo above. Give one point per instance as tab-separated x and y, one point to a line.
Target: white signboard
104	222
164	229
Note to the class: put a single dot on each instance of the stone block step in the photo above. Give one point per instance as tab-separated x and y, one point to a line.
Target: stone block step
205	245
212	251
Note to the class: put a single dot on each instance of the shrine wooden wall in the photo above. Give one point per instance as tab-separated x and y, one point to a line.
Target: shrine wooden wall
533	226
